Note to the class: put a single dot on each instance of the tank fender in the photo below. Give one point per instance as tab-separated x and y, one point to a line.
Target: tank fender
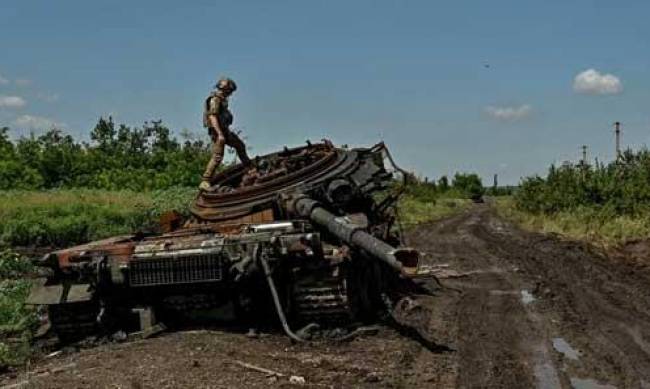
45	295
58	294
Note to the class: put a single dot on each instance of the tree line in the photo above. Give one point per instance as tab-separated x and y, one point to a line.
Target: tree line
462	185
621	187
118	157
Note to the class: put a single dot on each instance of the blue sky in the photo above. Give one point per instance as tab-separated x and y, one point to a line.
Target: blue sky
449	85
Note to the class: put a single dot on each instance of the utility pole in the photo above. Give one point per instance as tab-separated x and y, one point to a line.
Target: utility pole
617	131
583	163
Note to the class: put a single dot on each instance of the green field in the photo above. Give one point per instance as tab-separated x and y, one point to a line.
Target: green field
63	217
414	211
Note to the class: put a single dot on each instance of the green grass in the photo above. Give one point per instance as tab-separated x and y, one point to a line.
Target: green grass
60	218
65	217
16	319
414	210
592	224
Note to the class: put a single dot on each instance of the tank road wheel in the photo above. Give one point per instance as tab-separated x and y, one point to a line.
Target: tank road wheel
322	299
367	282
74	321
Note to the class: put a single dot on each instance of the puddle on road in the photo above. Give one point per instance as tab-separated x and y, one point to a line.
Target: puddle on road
527	297
561	346
588	383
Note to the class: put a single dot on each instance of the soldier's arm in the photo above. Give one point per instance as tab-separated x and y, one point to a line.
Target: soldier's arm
213	111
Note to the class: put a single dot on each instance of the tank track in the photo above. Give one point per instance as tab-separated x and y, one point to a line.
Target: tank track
324	301
73	321
180	303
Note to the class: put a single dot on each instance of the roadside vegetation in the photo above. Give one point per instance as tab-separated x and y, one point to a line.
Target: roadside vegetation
426	200
605	203
57	218
17	321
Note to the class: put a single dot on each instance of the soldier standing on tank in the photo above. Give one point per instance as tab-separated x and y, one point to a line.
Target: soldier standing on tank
217	118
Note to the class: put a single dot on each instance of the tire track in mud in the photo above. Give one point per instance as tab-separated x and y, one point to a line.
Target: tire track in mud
599	306
527	297
495	338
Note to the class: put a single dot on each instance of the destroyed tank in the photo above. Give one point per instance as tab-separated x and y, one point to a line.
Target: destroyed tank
304	236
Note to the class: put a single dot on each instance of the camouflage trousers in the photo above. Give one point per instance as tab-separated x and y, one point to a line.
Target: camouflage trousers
218	145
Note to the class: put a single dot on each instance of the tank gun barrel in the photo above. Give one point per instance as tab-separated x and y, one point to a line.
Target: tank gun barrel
350	233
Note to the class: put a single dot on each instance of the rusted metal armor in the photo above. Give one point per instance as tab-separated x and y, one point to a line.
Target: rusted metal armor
305	236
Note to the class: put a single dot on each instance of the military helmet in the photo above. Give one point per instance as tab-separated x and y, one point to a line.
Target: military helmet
226	84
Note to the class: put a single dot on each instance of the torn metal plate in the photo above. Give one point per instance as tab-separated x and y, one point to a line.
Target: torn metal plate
45	295
79	293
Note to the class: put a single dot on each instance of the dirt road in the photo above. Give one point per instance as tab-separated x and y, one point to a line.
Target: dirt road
520	310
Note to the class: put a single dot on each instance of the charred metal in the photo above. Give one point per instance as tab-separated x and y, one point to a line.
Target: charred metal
301	236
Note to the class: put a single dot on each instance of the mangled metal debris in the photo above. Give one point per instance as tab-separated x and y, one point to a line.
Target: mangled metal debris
301	237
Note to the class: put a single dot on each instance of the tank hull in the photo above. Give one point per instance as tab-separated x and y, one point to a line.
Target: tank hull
249	248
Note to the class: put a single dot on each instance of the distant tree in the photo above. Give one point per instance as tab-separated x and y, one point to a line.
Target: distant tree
104	134
6	147
443	184
469	185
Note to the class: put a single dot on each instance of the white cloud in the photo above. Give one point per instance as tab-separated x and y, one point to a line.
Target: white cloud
30	122
12	102
509	114
592	82
3	81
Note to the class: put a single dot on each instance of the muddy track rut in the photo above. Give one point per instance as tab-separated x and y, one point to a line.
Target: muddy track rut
520	310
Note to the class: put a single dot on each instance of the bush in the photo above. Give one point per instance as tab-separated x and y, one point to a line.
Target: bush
619	188
16	319
607	203
14	175
118	158
425	201
469	185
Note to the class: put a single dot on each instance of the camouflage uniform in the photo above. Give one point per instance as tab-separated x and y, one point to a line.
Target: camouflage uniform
217	104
